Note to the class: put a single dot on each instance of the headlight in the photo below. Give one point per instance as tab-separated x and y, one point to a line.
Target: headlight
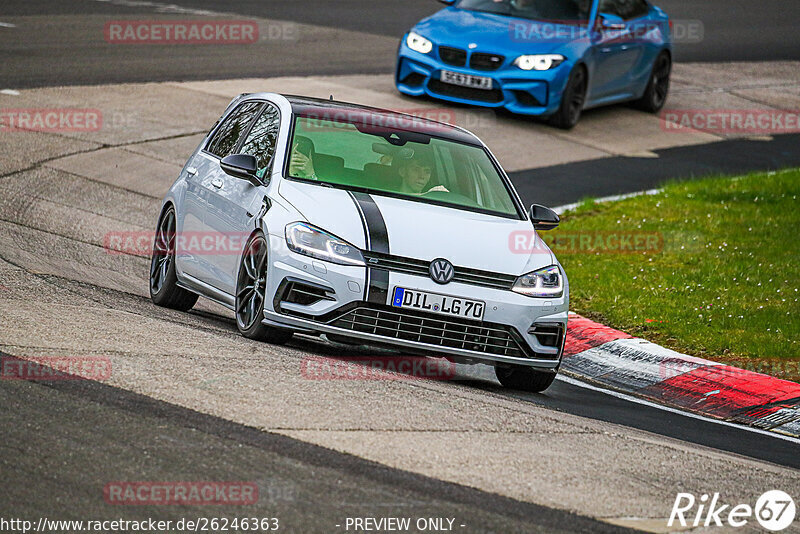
547	282
539	61
418	43
308	240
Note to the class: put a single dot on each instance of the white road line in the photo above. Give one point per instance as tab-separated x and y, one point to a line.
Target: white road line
631	398
9	92
7	25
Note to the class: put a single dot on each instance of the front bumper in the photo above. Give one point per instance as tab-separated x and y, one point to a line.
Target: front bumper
518	91
510	319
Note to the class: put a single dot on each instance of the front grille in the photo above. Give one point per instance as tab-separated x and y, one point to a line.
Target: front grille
434	330
481	61
453	56
463	275
491	96
548	334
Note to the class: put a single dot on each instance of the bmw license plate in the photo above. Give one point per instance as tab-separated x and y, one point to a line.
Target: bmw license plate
435	303
465	80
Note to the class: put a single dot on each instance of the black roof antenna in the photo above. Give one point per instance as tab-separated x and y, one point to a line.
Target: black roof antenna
331	98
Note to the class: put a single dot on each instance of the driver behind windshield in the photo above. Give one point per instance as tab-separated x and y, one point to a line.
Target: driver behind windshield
415	172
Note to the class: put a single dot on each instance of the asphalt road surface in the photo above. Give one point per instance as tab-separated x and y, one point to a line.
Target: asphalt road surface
62	43
79	436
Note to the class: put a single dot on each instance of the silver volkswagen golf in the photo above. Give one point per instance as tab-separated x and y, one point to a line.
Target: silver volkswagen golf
369	226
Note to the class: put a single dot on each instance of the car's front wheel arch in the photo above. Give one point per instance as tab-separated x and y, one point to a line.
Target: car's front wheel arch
252	291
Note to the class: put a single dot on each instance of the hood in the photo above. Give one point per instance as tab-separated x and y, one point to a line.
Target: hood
426	231
496	33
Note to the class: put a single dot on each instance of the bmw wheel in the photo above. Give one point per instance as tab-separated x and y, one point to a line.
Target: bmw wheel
655	96
524	378
164	290
572	100
251	290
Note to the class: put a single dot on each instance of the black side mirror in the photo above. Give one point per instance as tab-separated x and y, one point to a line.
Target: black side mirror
242	166
448	2
544	218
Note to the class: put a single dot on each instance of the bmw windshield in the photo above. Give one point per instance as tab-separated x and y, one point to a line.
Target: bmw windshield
562	11
377	156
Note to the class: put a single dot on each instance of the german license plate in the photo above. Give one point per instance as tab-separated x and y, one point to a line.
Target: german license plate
435	303
465	80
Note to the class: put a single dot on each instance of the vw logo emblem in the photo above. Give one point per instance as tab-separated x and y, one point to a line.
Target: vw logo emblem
473	46
441	271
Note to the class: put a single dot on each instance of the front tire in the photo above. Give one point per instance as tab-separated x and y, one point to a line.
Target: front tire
164	290
572	100
655	96
251	287
524	378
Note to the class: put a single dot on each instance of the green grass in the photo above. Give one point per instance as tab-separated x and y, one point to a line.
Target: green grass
723	281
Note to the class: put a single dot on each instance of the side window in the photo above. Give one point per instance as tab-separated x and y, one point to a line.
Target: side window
227	137
262	139
609	7
632	9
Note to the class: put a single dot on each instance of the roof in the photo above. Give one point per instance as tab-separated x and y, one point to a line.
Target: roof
377	118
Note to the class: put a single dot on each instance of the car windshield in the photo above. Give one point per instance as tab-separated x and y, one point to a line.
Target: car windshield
562	11
376	158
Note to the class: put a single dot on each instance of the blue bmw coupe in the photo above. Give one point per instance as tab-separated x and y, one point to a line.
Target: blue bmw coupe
551	58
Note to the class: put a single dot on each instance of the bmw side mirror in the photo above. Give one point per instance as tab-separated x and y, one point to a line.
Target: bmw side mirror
611	22
242	166
544	218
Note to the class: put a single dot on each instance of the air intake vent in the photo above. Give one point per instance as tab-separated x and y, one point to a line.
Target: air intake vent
435	330
548	334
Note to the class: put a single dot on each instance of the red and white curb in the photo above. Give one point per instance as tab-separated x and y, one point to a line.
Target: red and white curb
615	360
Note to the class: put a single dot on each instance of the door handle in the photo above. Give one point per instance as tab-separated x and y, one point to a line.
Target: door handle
216	182
191	171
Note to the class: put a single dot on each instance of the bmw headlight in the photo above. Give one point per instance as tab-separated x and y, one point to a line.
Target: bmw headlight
309	240
539	61
418	43
547	282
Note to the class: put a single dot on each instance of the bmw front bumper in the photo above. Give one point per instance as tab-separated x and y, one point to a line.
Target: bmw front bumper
518	91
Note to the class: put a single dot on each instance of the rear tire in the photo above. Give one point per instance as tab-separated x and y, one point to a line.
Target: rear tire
164	290
655	96
572	100
251	289
524	378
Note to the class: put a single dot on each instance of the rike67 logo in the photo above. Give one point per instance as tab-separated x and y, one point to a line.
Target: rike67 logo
774	510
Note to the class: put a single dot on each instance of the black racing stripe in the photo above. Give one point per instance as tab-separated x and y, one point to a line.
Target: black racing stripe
377	236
